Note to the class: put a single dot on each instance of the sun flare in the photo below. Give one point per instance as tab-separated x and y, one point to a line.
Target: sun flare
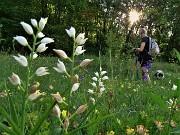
133	16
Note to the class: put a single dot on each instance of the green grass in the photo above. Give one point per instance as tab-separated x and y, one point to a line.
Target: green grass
124	95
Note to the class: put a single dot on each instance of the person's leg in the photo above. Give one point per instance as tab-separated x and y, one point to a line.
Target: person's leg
145	69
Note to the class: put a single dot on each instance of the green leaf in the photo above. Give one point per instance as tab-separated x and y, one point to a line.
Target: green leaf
175	130
10	121
177	91
177	54
92	123
158	100
7	129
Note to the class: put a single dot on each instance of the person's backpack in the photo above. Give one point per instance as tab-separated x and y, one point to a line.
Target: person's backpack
153	47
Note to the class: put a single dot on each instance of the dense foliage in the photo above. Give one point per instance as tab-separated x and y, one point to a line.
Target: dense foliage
99	19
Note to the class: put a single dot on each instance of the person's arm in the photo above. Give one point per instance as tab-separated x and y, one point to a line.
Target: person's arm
141	47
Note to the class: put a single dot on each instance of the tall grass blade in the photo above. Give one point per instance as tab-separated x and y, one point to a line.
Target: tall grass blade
10	121
177	91
7	129
158	100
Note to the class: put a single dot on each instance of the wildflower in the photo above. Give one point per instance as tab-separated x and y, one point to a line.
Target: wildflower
85	62
41	48
35	55
42	23
61	53
92	100
71	32
34	95
174	87
34	22
57	111
159	125
141	130
111	133
93	84
173	124
47	40
75	79
42	71
57	97
14	79
81	109
64	113
33	88
60	67
66	123
103	72
90	91
97	74
105	78
40	35
21	40
102	89
130	131
80	39
21	60
75	86
27	28
94	78
79	50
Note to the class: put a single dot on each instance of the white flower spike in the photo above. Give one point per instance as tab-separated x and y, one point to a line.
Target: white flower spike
47	40
71	32
34	22
42	71
14	79
27	28
42	23
60	67
41	48
80	39
75	86
21	60
79	50
61	53
21	40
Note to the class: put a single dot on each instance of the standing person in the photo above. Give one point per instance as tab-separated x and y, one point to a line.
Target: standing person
144	58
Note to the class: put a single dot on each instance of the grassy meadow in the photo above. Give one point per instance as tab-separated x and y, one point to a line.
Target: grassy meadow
127	106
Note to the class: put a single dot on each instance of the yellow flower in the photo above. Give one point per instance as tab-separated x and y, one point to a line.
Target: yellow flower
111	133
130	131
64	113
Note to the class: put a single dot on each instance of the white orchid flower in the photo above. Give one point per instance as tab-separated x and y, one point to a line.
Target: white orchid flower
105	78
42	71
35	55
102	89
61	53
41	48
42	23
174	87
79	50
94	78
27	28
90	91
75	86
60	67
71	32
47	40
97	74
34	22
22	40
57	111
40	35
21	60
103	72
93	84
80	39
85	62
14	79
35	95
